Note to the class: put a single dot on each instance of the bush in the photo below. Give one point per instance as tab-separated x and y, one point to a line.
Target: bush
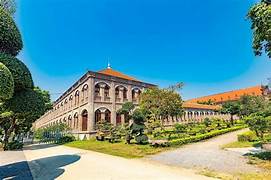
66	139
202	136
15	145
10	37
263	155
6	83
21	74
247	136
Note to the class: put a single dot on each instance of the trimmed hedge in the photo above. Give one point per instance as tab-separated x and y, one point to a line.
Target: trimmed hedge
6	83
21	74
10	37
201	137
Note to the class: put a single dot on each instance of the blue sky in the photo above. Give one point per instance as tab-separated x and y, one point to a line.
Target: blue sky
205	44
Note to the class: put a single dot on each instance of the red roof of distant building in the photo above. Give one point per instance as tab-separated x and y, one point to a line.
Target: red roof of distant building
190	105
229	96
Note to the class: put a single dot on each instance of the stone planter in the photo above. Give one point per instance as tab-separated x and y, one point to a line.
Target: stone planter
266	146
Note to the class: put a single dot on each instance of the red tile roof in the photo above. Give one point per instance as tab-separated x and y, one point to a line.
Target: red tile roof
114	73
229	96
190	105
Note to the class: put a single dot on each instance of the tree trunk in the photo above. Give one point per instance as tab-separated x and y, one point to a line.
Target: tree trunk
7	134
231	119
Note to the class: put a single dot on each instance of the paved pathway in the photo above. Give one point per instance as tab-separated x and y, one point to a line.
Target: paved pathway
208	154
13	165
60	162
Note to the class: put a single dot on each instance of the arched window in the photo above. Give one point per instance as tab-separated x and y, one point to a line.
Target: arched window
75	121
107	116
76	98
70	121
98	116
84	120
85	92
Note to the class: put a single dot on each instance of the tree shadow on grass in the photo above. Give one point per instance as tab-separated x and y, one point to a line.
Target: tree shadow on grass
45	169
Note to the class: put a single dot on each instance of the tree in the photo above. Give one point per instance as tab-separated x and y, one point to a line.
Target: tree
9	6
127	109
6	83
232	108
21	74
260	16
26	106
160	103
10	37
251	104
46	98
259	124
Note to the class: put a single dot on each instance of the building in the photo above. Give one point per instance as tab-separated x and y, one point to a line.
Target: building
99	95
232	95
95	96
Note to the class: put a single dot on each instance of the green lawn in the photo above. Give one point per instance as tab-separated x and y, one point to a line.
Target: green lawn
238	144
117	149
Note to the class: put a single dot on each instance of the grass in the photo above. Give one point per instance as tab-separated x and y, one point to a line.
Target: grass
236	176
243	144
117	149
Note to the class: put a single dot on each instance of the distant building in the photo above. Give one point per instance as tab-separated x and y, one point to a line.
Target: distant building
234	95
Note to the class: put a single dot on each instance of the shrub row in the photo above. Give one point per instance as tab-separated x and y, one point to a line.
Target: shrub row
200	137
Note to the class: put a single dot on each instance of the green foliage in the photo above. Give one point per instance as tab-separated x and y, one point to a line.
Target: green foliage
6	83
249	136
66	139
160	103
21	75
27	104
200	137
10	37
138	117
260	16
8	5
209	102
46	98
251	104
179	128
231	108
14	145
207	122
259	124
263	155
127	109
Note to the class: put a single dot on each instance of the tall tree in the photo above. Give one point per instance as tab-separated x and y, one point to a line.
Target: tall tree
260	16
251	104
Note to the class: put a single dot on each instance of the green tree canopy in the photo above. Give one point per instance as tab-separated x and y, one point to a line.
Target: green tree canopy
8	5
232	108
260	16
46	98
21	74
6	83
27	104
251	104
10	37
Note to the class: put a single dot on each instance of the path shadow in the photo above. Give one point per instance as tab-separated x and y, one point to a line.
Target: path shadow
17	171
44	169
39	146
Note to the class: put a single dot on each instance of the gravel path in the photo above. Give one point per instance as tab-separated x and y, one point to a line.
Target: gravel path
208	154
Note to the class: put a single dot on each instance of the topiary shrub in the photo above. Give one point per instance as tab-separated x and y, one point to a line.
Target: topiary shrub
10	37
6	83
21	74
27	103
